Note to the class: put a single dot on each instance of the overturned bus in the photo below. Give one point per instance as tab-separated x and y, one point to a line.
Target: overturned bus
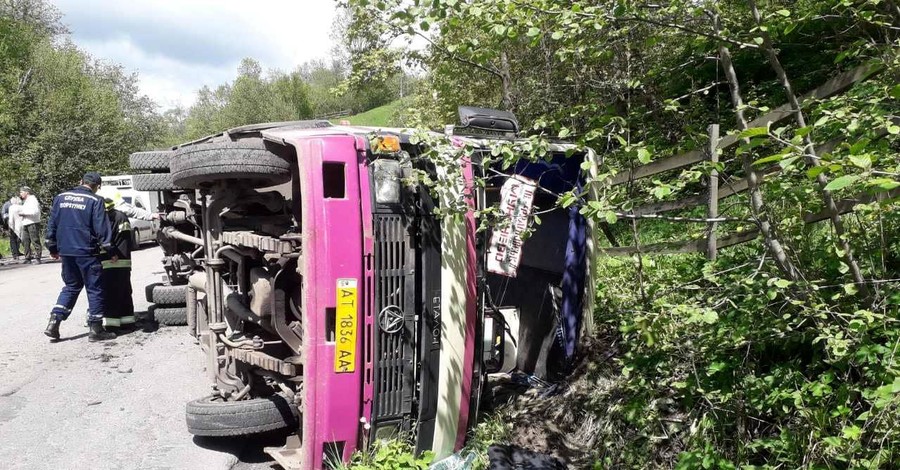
333	298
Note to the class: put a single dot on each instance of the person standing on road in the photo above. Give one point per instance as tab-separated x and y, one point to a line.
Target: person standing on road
15	226
31	225
4	216
77	231
119	306
8	224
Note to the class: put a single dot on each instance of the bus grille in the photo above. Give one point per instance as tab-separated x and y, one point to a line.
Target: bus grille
394	287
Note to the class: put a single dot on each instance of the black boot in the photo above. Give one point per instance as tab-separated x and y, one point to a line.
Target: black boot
53	329
98	333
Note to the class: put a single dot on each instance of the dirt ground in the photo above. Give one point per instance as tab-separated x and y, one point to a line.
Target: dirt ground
558	420
113	405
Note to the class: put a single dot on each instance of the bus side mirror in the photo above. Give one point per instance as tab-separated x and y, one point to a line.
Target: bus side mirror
488	119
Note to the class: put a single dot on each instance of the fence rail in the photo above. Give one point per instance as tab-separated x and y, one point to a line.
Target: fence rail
712	243
849	205
336	114
690	246
835	86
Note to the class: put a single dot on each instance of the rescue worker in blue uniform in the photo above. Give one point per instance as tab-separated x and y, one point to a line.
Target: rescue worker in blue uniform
119	306
78	229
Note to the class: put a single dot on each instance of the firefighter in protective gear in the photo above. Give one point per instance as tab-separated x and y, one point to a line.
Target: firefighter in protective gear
78	229
122	205
119	305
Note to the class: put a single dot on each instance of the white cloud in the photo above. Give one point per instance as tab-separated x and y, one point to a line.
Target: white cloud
178	46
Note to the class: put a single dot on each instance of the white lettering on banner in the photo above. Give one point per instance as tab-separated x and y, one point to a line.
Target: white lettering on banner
118	183
505	250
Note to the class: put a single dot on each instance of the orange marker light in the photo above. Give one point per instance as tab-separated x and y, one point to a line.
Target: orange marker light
387	144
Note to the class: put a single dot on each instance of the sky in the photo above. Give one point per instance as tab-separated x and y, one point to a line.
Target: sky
177	46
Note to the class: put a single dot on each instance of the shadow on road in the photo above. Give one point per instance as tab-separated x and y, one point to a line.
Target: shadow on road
145	322
7	264
70	338
247	449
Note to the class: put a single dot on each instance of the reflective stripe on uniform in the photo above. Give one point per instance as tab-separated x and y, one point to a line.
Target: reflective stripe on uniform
122	263
62	307
125	226
112	321
92	196
127	320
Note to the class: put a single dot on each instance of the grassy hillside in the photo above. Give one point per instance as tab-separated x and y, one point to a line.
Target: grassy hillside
382	116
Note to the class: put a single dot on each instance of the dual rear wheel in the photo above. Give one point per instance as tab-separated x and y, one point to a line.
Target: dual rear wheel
252	162
169	303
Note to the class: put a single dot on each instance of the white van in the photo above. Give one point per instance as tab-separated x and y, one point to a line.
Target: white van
143	231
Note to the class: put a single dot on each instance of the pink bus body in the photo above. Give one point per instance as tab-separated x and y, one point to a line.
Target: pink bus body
339	299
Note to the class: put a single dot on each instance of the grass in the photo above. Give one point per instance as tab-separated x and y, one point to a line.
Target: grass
382	116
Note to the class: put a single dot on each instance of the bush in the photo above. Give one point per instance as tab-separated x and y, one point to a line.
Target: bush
389	455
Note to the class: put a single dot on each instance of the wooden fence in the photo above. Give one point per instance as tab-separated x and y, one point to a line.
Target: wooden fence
713	242
335	115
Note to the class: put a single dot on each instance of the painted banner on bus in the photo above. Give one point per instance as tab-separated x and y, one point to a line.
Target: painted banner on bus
505	250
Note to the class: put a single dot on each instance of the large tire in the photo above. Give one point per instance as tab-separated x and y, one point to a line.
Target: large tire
168	295
148	290
169	316
150	161
212	416
252	161
154	182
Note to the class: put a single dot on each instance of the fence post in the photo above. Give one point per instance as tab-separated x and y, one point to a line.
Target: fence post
713	209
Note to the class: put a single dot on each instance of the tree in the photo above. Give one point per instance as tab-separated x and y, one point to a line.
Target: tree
292	90
39	15
323	78
61	112
252	99
766	357
203	118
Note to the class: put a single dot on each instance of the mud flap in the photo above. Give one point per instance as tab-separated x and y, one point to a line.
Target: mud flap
290	455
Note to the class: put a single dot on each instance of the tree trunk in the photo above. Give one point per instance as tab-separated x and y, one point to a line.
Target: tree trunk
506	81
812	159
757	205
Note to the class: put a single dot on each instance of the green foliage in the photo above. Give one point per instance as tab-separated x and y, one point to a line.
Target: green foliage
390	455
382	116
61	112
251	98
323	78
493	429
316	89
725	364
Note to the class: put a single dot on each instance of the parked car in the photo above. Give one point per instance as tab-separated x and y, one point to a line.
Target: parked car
332	299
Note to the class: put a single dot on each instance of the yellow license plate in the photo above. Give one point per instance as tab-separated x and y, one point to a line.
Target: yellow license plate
345	326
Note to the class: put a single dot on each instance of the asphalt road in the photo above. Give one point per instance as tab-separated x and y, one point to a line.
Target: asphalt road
112	405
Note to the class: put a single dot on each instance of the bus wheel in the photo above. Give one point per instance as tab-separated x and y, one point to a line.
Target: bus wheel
253	162
213	416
